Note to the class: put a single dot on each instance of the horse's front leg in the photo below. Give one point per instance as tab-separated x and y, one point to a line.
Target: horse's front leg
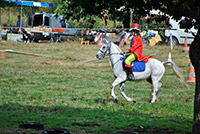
116	82
122	86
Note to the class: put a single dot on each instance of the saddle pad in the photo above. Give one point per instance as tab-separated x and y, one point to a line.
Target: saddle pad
139	66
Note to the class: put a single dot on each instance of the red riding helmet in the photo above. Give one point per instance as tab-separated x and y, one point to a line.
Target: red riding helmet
135	26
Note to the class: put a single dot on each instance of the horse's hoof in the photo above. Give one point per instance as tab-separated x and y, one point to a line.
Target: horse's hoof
133	101
116	100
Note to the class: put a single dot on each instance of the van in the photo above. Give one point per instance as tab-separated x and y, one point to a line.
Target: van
178	31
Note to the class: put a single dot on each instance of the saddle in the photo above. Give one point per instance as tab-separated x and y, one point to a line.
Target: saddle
137	66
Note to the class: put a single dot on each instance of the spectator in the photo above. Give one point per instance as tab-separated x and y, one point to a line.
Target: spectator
63	24
18	22
82	33
105	18
153	20
142	21
167	24
25	37
87	35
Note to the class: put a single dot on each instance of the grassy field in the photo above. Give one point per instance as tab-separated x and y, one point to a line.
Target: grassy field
60	91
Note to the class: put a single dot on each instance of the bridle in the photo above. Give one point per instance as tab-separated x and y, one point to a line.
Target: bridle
108	50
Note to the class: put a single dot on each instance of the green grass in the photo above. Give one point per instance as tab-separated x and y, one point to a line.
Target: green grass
60	91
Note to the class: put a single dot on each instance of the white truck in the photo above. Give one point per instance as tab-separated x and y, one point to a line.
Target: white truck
48	26
178	32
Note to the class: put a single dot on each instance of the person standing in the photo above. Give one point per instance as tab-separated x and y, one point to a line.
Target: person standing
105	18
18	22
135	50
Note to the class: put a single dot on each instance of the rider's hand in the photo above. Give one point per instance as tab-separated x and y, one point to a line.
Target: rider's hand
122	52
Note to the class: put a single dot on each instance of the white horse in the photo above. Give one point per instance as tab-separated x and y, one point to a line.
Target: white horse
153	73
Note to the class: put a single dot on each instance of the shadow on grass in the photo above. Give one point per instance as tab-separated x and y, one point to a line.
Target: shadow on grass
90	120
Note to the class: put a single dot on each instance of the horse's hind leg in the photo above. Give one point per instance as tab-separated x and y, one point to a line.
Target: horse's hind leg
156	86
159	83
122	86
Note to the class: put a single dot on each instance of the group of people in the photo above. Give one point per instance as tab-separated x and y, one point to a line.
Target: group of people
87	35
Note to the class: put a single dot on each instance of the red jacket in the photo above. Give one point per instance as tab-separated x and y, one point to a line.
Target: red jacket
137	48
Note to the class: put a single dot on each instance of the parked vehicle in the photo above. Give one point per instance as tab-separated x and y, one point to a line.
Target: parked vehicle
179	32
48	26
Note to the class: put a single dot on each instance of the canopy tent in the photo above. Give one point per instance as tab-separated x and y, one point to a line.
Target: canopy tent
29	3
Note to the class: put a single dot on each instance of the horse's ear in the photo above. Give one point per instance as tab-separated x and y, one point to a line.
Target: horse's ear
105	41
103	35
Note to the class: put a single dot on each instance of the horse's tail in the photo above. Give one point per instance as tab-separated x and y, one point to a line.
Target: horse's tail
177	71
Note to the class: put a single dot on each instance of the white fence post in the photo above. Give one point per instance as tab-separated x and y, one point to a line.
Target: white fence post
170	37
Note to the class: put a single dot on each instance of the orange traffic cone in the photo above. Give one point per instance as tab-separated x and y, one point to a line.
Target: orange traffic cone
191	74
185	48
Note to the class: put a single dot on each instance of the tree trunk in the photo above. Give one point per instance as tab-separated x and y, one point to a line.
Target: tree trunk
126	21
0	23
195	59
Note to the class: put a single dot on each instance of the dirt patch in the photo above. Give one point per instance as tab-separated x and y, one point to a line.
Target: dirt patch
45	63
71	64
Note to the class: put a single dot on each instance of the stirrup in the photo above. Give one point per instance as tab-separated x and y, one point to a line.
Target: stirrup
131	77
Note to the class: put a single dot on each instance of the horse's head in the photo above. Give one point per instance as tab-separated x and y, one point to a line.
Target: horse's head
104	50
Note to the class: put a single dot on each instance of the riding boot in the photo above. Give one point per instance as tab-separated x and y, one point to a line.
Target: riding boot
130	74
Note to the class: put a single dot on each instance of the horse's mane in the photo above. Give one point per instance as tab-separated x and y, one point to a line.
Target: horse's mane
116	46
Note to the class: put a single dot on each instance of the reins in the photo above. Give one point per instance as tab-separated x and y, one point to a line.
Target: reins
114	54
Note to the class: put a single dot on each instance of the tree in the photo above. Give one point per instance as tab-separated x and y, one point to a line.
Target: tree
175	8
2	5
55	4
76	9
190	9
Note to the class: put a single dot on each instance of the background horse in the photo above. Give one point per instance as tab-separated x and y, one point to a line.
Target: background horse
119	36
153	73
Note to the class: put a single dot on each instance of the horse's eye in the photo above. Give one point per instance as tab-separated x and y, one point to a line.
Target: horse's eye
103	47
